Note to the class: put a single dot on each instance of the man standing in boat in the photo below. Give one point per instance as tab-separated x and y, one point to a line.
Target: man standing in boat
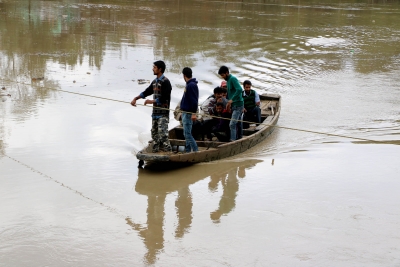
189	103
160	88
235	103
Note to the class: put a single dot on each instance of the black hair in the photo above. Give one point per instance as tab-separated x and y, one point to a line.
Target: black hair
219	104
161	65
187	72
246	82
217	90
224	90
223	70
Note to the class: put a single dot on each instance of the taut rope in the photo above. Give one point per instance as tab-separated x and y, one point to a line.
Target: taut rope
250	122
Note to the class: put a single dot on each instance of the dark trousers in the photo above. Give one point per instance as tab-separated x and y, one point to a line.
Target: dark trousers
197	131
207	128
253	115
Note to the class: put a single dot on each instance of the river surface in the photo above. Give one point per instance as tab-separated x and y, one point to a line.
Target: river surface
70	190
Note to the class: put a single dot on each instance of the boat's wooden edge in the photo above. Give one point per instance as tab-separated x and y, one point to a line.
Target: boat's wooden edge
270	96
267	122
143	155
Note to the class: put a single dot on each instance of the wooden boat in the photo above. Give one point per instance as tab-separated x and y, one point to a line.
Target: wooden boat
215	150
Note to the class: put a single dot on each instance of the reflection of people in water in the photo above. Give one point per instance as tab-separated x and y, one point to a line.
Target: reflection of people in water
153	233
214	180
183	206
153	236
157	187
230	185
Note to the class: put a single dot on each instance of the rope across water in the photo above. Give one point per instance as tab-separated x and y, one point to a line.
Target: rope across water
276	126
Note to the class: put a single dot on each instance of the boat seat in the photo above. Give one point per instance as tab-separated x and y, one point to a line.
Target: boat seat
209	144
250	130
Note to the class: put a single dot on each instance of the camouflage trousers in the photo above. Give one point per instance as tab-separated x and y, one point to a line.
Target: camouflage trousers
159	133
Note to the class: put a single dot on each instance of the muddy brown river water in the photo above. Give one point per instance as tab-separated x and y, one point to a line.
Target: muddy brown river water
70	190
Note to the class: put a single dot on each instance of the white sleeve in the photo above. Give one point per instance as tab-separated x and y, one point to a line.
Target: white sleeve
204	106
257	98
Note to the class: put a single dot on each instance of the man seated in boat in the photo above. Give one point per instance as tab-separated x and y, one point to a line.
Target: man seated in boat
225	94
221	128
208	108
224	90
223	84
252	111
221	97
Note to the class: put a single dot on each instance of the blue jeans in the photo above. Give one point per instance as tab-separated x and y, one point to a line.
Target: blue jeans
187	132
236	115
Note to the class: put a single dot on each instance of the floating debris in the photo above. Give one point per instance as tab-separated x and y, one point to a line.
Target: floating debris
3	88
74	81
87	72
37	79
141	81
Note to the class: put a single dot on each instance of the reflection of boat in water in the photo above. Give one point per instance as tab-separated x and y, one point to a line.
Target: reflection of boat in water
213	150
157	185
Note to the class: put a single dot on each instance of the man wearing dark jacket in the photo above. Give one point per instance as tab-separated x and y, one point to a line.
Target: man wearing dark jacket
189	103
160	88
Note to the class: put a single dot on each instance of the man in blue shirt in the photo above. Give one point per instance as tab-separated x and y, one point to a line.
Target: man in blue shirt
189	103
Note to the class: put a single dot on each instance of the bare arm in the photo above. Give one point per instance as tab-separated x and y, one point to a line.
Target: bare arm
143	94
133	102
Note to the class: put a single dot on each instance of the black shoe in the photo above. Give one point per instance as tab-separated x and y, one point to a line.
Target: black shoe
167	149
156	148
